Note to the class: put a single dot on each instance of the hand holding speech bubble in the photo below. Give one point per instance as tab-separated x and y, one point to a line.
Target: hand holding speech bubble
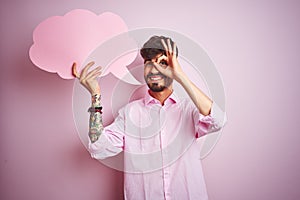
61	40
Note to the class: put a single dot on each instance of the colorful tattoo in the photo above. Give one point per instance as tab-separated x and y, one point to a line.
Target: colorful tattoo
96	100
96	124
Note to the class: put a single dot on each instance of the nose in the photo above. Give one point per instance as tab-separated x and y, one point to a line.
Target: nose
153	69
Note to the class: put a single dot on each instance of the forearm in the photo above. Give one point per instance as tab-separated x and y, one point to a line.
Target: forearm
95	122
201	100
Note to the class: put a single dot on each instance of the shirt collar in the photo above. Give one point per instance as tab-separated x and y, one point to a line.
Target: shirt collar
148	99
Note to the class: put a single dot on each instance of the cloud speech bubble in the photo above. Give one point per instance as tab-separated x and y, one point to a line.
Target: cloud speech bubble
61	40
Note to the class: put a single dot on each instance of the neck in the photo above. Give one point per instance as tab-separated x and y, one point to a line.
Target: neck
161	96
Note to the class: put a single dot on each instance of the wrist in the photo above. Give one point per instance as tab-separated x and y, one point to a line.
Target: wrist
95	93
95	90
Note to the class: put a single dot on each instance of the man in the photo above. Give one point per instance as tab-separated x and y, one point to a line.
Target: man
156	133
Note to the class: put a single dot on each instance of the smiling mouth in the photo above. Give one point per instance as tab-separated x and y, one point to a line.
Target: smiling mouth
155	77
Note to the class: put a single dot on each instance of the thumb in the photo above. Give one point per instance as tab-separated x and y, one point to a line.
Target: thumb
74	70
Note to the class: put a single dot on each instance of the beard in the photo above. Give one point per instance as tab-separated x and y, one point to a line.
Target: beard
159	87
155	87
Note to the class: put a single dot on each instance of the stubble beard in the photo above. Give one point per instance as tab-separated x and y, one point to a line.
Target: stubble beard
157	87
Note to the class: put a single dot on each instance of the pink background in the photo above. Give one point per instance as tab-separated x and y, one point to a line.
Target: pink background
255	46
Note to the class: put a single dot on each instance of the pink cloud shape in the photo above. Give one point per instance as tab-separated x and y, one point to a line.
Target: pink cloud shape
61	40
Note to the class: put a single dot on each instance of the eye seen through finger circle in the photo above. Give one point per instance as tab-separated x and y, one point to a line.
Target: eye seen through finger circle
163	63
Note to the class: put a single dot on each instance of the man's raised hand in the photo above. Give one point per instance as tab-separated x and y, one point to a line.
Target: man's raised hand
173	68
88	78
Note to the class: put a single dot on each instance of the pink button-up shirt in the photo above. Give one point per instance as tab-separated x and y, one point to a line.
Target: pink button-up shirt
161	158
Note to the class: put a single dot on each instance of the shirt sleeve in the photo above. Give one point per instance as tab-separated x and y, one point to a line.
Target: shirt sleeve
111	141
209	123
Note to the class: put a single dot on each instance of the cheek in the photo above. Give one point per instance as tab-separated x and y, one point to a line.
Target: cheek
168	81
146	71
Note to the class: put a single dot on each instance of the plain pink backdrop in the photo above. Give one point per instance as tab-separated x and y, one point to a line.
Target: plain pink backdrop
255	46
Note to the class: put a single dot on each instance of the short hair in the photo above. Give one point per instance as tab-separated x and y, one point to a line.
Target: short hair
153	47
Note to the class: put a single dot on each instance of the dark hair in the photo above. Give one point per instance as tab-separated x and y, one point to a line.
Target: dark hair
154	47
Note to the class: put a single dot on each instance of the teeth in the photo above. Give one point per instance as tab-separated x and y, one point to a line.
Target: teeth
155	78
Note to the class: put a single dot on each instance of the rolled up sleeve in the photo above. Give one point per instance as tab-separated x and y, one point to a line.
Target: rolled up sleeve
209	123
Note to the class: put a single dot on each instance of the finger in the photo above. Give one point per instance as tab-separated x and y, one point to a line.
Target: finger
169	46
174	49
94	76
160	58
160	68
87	77
86	68
91	81
165	46
98	70
74	70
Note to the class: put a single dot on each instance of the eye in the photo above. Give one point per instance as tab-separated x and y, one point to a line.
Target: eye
163	62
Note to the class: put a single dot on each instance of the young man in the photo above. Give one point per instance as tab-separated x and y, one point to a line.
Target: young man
156	133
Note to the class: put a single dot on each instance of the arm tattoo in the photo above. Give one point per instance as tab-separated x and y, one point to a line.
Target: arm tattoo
95	125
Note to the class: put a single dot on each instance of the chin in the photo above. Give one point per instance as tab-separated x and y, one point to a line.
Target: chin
159	87
156	88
